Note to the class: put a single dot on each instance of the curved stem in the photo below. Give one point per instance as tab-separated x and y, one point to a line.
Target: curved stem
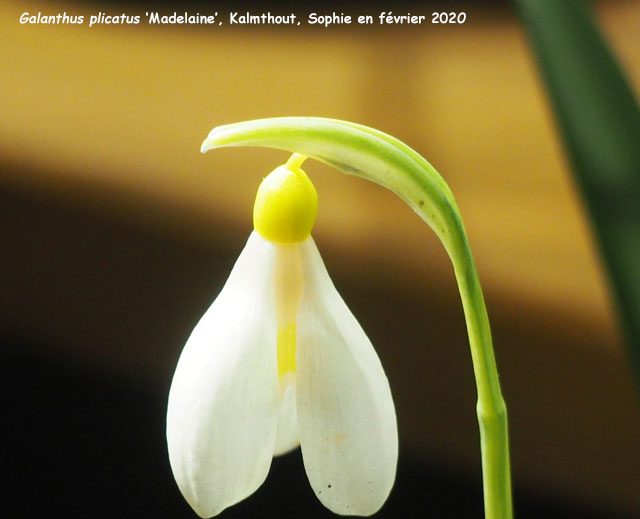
376	156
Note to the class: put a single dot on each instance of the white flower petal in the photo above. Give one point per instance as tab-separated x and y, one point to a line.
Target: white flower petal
346	417
223	404
287	437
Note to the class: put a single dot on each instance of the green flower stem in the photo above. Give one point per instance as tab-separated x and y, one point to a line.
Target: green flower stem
380	158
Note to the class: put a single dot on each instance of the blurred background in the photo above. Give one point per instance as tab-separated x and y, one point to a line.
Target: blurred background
117	234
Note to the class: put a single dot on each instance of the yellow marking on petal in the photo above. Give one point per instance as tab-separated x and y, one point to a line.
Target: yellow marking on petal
288	283
286	204
287	350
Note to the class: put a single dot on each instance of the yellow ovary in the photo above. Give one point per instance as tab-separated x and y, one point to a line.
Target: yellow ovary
286	204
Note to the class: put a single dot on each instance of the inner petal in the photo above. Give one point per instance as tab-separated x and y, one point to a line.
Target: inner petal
287	437
288	283
287	279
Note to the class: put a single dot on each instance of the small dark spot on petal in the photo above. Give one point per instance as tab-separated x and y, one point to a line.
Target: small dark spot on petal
421	203
329	486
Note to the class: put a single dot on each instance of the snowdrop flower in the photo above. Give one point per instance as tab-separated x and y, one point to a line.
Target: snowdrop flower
279	361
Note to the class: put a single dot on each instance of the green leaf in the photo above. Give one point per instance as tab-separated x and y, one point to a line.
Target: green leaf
599	119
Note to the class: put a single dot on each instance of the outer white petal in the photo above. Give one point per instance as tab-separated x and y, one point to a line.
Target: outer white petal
223	403
346	417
